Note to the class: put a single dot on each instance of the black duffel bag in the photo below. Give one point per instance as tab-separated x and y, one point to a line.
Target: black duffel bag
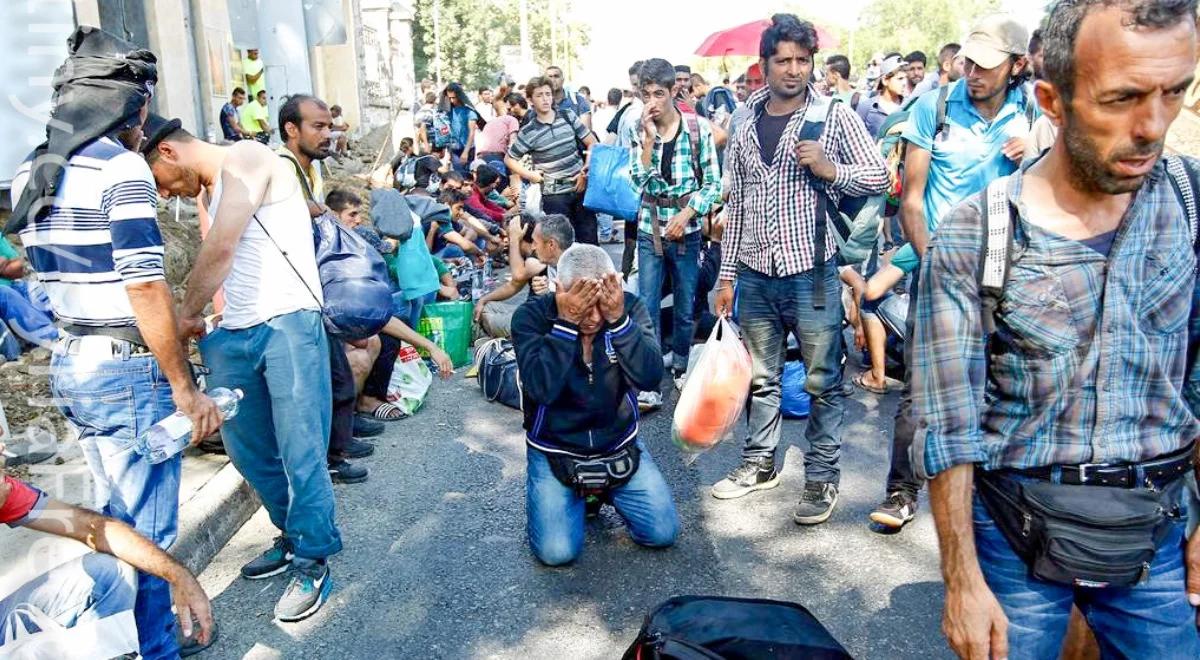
717	628
498	377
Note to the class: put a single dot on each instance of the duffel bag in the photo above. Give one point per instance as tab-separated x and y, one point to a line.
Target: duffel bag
716	628
498	377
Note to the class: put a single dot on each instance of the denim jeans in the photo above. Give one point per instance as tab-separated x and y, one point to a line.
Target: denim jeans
496	161
409	311
555	513
1150	620
604	227
24	318
84	590
902	475
279	438
768	309
110	401
684	267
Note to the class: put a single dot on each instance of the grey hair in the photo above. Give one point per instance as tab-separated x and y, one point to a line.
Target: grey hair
583	261
1062	30
558	228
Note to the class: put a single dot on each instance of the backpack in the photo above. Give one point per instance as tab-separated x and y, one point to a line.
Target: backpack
499	380
406	176
439	129
718	628
718	105
995	253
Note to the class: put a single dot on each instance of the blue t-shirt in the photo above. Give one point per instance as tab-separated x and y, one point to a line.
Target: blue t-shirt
228	116
460	125
966	156
574	102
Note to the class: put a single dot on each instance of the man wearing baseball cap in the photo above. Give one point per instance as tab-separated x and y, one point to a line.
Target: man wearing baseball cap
985	118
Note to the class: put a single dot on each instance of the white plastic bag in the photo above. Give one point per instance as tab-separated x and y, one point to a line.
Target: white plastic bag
410	381
715	391
533	198
32	634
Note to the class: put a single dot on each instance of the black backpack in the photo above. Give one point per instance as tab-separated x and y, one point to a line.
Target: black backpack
717	628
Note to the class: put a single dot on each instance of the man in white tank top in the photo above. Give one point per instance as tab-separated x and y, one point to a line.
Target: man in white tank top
270	343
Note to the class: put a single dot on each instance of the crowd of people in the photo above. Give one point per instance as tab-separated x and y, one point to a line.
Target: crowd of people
1029	279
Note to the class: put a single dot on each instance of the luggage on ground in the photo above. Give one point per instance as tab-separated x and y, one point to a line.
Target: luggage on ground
448	324
499	379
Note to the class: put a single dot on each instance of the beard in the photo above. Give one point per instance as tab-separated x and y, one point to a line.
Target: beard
1091	169
320	153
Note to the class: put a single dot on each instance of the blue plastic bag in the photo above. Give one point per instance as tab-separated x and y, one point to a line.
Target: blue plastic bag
795	402
610	189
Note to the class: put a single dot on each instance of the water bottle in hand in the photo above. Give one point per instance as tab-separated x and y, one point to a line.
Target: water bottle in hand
172	434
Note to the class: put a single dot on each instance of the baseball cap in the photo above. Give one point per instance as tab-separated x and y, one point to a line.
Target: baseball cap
890	65
993	39
154	130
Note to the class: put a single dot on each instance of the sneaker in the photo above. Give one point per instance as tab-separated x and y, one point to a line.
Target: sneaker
356	449
189	646
365	427
680	378
816	504
753	474
342	471
648	401
306	593
896	511
276	560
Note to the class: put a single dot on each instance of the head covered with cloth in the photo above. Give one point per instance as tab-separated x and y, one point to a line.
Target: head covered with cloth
101	89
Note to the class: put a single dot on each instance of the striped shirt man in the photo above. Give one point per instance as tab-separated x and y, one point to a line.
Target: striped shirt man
100	235
554	149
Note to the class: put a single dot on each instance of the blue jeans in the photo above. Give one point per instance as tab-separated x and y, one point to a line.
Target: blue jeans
450	252
768	309
81	591
409	311
1150	620
496	161
684	267
25	319
280	436
110	402
555	513
604	226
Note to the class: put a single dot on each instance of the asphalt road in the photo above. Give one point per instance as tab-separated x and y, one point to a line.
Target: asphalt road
436	563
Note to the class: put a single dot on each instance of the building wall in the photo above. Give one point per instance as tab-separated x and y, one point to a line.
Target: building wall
170	35
219	68
336	78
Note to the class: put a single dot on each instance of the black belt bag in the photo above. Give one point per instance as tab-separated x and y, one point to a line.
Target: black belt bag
1078	535
589	476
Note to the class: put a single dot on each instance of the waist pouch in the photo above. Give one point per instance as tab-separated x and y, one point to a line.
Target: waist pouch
1082	536
596	475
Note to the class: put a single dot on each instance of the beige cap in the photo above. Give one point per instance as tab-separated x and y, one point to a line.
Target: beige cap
993	39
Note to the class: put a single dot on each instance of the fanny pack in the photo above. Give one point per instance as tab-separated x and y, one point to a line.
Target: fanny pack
590	476
1079	535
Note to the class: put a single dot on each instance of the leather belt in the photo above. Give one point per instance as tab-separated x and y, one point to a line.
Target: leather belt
126	333
655	202
1157	472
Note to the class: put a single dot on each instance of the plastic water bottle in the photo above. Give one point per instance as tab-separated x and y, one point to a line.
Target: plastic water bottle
476	284
173	433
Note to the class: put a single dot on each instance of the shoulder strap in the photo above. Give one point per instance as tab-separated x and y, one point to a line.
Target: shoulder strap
854	100
308	196
1183	180
942	123
1030	111
995	250
692	124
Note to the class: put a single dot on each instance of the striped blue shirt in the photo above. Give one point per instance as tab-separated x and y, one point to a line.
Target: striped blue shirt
100	235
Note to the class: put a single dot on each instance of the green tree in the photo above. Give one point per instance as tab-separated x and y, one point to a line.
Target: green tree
472	32
908	25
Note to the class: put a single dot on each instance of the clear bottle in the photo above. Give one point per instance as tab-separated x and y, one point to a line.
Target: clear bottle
173	433
477	284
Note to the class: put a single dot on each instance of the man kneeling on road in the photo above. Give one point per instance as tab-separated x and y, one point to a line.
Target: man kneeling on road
583	354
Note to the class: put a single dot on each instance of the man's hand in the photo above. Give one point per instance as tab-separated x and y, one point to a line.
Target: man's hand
1192	556
510	194
1014	149
612	298
724	299
581	182
811	154
201	409
573	304
478	312
464	157
540	284
649	128
677	224
189	326
445	365
974	623
514	228
192	603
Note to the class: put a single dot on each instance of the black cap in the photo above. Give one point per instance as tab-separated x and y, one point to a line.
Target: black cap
155	129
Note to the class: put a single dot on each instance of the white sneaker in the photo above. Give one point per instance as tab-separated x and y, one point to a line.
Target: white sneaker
648	401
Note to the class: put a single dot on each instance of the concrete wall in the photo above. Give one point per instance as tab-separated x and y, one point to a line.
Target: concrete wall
336	72
216	57
284	50
178	92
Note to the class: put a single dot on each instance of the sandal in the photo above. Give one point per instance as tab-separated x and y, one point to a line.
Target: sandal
858	381
386	412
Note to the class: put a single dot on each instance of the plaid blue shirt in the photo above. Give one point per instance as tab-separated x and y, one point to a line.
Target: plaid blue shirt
1091	358
705	192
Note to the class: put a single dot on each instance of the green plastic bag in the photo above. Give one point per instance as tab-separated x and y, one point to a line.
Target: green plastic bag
448	324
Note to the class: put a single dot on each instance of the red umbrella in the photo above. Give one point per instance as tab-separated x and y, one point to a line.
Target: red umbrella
743	40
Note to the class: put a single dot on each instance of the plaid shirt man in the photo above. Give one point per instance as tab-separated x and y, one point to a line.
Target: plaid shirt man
1090	359
771	213
704	193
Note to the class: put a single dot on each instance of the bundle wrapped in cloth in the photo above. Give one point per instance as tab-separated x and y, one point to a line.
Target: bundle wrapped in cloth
715	392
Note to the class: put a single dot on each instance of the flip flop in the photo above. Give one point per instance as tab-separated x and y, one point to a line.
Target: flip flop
858	381
386	412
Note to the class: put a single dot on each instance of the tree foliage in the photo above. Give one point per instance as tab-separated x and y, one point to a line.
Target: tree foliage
472	32
908	25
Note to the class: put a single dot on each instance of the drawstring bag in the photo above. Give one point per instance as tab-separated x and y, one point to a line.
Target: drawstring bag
715	392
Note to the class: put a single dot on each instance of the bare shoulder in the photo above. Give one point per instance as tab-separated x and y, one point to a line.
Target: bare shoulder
250	158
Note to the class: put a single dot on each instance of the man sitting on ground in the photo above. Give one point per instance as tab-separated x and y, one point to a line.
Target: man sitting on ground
552	235
583	354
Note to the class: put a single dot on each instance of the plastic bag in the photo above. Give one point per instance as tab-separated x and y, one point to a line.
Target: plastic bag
794	402
32	634
410	381
715	392
533	198
449	325
610	187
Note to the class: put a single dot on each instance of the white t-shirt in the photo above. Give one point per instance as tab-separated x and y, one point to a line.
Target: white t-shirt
261	285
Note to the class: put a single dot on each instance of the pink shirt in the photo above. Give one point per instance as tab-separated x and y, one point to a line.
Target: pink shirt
496	135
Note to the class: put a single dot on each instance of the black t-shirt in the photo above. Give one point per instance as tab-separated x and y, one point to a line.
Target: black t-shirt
770	130
668	154
426	166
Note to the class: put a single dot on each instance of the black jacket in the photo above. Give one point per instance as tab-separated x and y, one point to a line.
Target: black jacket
567	408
